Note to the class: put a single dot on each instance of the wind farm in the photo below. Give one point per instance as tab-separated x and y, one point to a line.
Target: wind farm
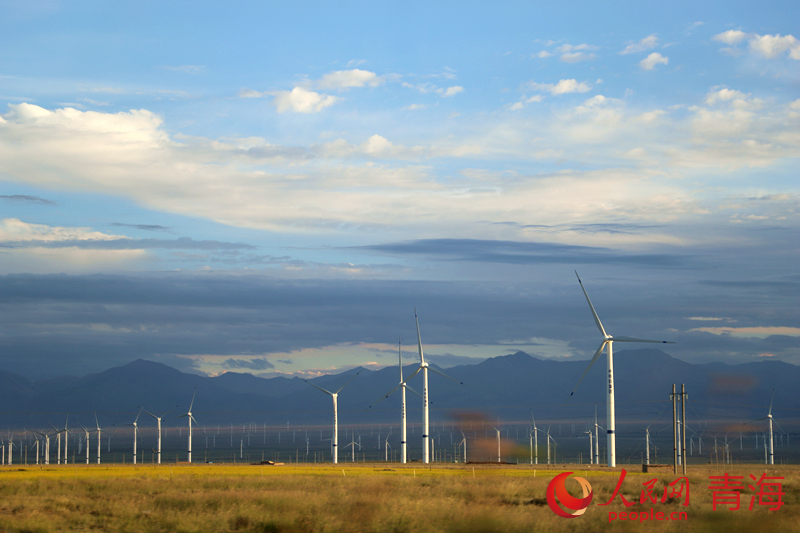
467	428
222	227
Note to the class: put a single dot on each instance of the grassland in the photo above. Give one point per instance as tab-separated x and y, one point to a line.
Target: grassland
352	498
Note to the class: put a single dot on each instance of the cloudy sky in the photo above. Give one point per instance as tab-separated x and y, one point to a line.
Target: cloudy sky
272	187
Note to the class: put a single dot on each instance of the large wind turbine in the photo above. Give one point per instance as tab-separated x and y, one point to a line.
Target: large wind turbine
99	436
135	433
771	459
403	385
191	419
607	344
498	441
335	396
158	419
86	432
423	366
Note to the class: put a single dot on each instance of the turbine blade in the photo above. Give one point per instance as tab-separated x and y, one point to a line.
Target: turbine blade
400	358
137	416
770	401
596	355
632	339
419	338
413	374
320	388
386	396
443	374
193	395
412	390
594	313
348	381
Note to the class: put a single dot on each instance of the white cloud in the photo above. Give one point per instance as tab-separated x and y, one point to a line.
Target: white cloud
651	41
414	107
543	54
770	46
650	62
566	48
450	91
366	183
250	93
575	57
562	87
15	230
724	95
731	37
517	106
422	88
28	254
343	79
300	100
766	46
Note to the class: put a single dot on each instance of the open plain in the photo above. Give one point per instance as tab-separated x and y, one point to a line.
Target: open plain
367	497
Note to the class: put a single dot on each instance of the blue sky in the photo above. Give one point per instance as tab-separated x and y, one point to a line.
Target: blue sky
345	161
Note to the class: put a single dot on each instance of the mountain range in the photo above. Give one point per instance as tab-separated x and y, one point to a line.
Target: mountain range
504	388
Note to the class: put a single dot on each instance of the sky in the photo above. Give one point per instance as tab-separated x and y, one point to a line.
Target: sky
274	187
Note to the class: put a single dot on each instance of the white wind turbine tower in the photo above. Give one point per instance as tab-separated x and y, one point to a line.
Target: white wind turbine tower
86	432
191	419
607	344
534	440
158	419
335	396
423	366
771	459
135	433
10	448
591	446
58	442
99	436
403	386
385	445
498	442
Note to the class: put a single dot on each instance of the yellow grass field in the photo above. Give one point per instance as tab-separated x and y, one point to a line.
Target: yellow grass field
368	497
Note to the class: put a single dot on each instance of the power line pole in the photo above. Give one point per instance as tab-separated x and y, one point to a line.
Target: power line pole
683	420
673	397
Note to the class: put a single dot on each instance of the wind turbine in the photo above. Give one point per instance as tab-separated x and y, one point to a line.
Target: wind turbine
591	446
135	433
385	445
498	442
158	419
769	417
335	396
423	366
403	385
99	436
534	440
464	442
66	440
86	432
191	419
607	344
10	449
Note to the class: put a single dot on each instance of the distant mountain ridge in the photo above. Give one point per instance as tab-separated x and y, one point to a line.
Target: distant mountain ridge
504	388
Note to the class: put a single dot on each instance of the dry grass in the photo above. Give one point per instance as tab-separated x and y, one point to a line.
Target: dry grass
346	498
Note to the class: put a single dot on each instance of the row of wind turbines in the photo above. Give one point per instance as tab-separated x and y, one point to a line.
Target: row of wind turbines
606	346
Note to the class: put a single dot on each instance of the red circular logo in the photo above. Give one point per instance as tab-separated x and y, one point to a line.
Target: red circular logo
557	492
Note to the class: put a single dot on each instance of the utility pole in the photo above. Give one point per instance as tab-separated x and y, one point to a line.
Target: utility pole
683	420
673	397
